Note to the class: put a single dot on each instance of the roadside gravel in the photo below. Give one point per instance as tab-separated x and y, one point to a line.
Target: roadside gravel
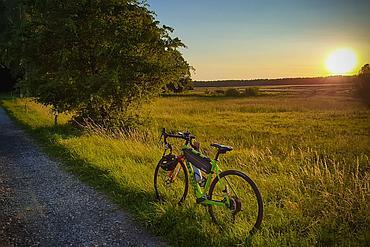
43	205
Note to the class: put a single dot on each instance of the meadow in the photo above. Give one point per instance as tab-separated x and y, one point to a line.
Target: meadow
308	155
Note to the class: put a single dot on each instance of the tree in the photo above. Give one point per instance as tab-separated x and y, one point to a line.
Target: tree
181	84
363	84
7	83
365	70
101	59
9	66
184	83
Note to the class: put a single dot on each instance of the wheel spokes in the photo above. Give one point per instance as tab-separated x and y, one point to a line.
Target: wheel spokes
243	208
171	184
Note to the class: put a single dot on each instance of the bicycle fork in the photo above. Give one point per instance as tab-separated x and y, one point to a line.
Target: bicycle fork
173	174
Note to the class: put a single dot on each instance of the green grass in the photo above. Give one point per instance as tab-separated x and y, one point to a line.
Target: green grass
309	157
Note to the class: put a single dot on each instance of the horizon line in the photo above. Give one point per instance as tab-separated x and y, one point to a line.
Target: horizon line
277	78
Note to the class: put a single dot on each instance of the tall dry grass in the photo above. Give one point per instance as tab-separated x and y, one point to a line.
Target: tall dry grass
310	159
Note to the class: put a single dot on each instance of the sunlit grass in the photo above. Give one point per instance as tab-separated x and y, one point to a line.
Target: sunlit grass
309	157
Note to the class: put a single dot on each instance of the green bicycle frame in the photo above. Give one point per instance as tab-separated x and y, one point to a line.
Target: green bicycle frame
201	194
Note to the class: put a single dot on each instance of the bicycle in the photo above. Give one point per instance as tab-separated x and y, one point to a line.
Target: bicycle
231	196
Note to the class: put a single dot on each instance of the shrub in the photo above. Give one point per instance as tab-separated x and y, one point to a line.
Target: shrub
252	91
363	84
220	91
232	92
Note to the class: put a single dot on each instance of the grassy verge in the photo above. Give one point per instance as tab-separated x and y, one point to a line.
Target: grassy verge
310	158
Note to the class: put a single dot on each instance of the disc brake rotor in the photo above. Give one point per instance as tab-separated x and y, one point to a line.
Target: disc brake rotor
235	205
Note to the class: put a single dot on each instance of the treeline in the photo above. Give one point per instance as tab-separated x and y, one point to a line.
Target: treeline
363	84
275	82
7	82
99	59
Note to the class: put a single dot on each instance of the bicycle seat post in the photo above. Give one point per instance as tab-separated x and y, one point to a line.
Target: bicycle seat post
218	153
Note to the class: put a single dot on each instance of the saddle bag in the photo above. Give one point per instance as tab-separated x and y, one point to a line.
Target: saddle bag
198	160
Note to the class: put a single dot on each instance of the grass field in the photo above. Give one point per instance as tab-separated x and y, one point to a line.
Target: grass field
308	155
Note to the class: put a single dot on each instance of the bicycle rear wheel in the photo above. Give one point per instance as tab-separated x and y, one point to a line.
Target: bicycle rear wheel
171	186
245	212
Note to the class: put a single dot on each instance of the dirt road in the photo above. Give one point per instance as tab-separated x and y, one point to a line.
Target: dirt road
43	205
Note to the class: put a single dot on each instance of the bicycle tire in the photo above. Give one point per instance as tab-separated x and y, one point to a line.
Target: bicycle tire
160	191
256	195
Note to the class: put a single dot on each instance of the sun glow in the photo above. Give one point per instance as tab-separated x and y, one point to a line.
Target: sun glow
342	61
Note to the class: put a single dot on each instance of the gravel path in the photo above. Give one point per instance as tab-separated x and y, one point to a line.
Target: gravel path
42	205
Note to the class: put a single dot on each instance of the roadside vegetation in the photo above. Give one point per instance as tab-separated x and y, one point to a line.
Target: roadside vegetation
100	60
309	157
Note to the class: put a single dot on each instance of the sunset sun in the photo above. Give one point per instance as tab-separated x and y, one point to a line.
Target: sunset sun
341	61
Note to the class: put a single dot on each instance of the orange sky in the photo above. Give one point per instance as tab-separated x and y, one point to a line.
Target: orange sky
240	39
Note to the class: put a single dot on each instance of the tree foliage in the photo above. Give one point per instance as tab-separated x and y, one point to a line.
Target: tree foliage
9	27
7	83
99	58
363	84
181	85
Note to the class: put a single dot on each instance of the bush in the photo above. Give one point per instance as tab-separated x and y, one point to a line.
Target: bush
220	91
252	91
232	92
363	84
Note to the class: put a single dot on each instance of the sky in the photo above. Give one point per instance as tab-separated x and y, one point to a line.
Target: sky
250	39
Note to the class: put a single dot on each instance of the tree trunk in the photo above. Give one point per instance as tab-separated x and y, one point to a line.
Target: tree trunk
55	119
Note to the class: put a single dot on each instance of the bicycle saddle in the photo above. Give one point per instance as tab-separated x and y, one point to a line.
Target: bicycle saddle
222	148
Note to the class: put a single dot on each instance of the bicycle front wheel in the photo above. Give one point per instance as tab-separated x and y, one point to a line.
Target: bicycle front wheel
171	186
244	211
